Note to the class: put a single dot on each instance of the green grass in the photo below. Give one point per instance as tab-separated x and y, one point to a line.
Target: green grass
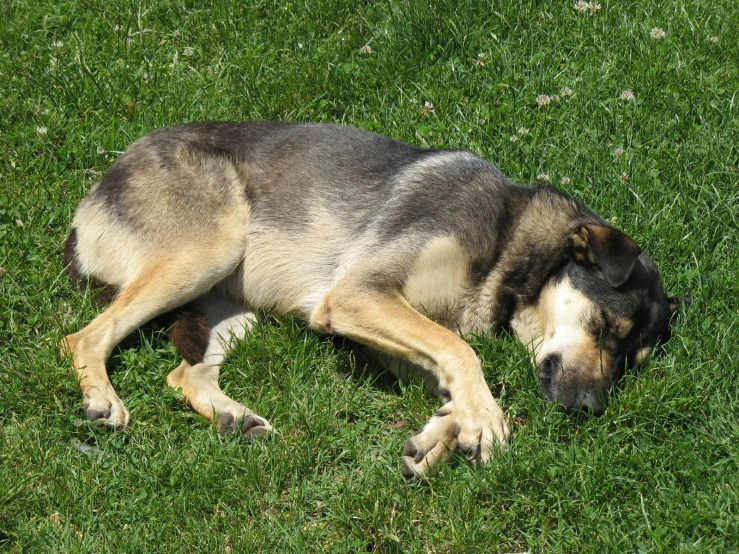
657	473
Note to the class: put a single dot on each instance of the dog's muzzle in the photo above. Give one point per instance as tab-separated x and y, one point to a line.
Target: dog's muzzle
558	386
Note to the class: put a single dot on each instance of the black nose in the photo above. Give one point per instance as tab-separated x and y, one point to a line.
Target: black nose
549	366
591	400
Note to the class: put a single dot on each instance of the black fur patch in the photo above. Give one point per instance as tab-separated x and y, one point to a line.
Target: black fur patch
188	331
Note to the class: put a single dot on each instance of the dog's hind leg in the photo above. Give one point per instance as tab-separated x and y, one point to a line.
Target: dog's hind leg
158	288
197	378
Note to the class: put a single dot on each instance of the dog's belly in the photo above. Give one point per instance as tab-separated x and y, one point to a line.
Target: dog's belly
288	273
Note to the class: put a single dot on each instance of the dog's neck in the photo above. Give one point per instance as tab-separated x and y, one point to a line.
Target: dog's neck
538	244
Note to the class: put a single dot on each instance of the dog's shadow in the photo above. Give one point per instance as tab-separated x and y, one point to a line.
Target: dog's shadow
356	363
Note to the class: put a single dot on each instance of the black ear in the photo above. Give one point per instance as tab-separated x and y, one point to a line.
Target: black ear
614	252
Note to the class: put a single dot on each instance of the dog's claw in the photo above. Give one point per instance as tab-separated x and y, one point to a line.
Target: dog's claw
251	425
412	450
473	452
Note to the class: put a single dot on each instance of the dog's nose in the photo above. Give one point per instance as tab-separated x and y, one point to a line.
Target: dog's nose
592	400
549	368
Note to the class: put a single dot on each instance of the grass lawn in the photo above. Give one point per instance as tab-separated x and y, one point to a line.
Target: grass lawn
641	124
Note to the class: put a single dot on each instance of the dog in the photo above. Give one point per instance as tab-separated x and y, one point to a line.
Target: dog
399	248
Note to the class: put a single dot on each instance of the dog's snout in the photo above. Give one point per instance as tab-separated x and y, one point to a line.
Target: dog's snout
563	383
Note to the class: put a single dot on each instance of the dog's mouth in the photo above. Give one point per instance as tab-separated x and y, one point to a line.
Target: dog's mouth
562	385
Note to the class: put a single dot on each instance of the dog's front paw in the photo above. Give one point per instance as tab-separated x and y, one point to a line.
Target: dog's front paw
103	406
480	428
477	429
430	446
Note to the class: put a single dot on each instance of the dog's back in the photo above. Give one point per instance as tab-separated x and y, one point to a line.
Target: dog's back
293	205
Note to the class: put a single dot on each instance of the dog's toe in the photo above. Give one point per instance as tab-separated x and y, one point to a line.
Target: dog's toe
409	472
430	446
226	423
413	450
250	425
253	426
420	461
93	414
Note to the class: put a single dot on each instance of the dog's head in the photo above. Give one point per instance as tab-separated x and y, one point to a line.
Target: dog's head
604	309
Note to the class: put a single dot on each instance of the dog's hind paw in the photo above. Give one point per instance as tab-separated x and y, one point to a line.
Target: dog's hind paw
431	446
105	408
250	425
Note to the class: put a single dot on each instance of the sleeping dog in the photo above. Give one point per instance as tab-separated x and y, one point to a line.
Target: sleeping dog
400	248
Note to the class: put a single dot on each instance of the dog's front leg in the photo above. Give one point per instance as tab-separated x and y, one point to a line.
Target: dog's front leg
472	421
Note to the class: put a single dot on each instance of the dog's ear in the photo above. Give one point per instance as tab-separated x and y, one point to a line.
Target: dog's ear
614	252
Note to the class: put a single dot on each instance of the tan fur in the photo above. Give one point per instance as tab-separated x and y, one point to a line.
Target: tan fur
438	280
157	288
641	355
553	325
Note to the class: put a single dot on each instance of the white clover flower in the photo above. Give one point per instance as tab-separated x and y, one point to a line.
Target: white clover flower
366	49
300	45
565	91
480	61
713	39
41	130
657	34
627	95
624	175
188	51
176	33
543	100
514	138
542	177
618	152
523	131
591	7
565	181
100	150
428	109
